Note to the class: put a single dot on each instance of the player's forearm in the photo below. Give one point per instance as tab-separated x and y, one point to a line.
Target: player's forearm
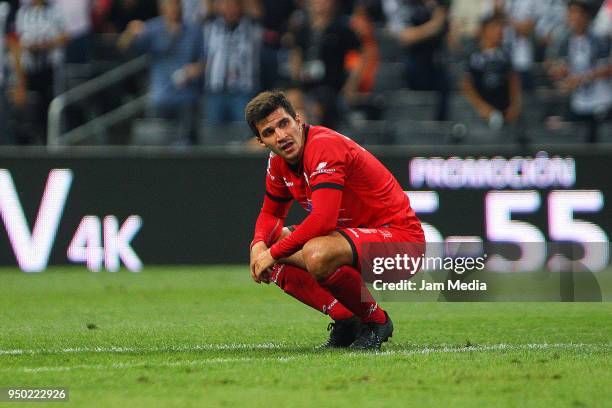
270	221
322	221
315	225
267	229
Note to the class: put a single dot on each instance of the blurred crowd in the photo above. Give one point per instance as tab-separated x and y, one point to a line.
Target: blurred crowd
338	60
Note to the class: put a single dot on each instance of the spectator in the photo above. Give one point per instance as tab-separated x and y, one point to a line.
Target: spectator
100	12
361	23
232	44
15	97
78	27
363	104
318	60
490	84
42	36
602	25
274	17
420	27
172	46
581	67
521	17
195	11
550	24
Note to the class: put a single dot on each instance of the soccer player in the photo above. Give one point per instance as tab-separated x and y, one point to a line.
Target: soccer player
352	201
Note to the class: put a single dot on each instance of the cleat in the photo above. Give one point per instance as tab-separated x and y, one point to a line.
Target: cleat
342	333
373	335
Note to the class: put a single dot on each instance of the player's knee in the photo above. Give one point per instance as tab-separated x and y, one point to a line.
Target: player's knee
316	258
284	233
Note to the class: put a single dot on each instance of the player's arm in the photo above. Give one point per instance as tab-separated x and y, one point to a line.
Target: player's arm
320	222
271	219
268	227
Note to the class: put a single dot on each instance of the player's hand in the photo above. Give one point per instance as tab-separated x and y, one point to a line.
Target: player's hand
256	251
261	266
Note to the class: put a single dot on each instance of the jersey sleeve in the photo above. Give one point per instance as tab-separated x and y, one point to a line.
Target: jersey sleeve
320	222
277	202
326	163
276	190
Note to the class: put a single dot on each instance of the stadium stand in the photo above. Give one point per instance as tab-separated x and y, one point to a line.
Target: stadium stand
114	114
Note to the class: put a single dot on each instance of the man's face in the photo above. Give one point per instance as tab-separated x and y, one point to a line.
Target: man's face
577	18
493	33
230	10
171	10
283	135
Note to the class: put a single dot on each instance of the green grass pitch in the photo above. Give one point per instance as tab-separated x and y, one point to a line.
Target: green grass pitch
208	336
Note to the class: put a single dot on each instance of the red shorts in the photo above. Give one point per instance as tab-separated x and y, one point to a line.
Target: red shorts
367	244
370	243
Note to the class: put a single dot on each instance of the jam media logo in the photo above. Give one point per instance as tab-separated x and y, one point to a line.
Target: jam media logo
94	242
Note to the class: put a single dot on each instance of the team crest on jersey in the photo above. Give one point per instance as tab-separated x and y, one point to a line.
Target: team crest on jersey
287	182
321	169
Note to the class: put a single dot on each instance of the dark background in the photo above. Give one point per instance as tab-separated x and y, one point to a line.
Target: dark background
200	208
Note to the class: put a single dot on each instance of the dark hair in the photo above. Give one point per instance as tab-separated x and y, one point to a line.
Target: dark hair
492	17
587	6
263	105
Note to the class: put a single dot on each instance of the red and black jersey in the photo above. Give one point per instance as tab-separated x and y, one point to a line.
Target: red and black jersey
339	183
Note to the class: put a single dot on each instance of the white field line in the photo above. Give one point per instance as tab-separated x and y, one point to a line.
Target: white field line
116	349
284	359
277	346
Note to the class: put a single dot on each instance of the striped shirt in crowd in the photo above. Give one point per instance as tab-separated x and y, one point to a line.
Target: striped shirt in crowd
36	25
232	56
